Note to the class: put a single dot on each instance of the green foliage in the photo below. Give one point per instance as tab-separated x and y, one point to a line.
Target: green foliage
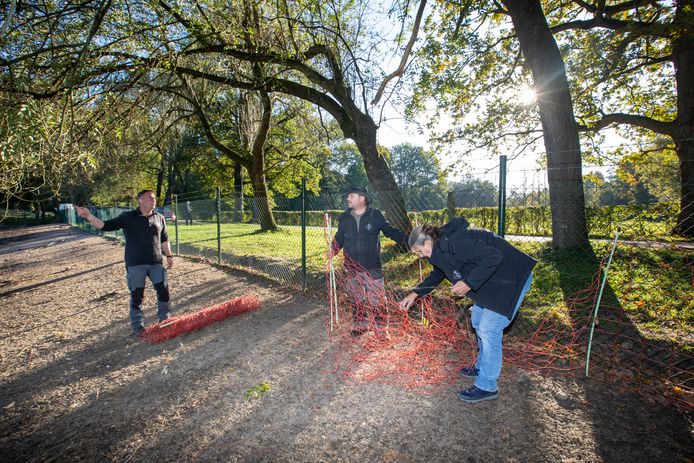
637	221
258	390
418	175
345	167
14	218
37	152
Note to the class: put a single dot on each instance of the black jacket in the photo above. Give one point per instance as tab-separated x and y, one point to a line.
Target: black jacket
143	236
363	245
494	270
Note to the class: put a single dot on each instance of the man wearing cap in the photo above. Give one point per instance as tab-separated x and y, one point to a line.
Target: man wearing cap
358	234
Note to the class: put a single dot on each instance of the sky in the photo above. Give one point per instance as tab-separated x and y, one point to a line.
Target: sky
521	171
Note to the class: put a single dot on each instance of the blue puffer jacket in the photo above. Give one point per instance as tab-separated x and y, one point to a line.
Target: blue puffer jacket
494	270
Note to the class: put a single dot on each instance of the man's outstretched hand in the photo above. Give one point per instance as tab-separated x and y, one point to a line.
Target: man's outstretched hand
83	212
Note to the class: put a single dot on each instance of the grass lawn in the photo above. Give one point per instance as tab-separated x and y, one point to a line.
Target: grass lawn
654	285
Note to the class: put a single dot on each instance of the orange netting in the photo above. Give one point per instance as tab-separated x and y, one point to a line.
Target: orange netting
424	347
185	323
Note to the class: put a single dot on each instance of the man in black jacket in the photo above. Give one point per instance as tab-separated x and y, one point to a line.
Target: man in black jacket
358	234
145	239
486	268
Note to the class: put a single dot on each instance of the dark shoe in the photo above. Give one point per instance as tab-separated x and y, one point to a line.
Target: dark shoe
359	327
138	330
475	394
469	372
356	332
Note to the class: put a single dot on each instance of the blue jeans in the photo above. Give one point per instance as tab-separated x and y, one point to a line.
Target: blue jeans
489	326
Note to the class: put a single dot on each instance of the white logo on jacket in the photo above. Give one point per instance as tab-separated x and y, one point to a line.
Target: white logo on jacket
457	275
368	226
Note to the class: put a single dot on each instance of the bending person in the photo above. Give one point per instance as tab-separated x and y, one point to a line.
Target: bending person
486	268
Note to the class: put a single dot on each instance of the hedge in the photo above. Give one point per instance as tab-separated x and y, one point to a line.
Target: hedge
638	221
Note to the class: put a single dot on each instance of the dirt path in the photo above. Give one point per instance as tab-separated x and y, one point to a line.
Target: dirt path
74	386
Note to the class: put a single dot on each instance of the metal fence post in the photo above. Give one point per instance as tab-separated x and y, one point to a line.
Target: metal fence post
303	233
219	225
175	199
502	196
450	205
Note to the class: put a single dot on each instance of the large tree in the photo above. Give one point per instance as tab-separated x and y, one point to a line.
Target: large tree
635	60
626	63
320	52
473	60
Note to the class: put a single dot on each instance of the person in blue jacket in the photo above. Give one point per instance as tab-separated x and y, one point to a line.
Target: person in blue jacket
487	269
358	235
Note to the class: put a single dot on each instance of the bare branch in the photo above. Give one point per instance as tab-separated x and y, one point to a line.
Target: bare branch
405	55
662	127
207	128
8	19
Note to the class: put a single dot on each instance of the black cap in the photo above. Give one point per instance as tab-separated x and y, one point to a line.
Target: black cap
360	190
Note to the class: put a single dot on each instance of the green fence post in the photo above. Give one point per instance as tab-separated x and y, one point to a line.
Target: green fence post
175	198
219	225
501	230
303	233
597	302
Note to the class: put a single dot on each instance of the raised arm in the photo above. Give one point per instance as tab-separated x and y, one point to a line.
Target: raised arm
425	287
393	233
89	217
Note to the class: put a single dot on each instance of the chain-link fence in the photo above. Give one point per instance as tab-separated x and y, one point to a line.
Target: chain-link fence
636	326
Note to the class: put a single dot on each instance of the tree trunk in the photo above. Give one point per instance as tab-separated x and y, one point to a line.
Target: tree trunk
685	152
450	205
256	169
170	181
683	61
379	174
238	192
160	176
559	128
261	200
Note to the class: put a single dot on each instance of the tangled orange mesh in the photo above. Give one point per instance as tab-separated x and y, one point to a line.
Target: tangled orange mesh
423	348
185	323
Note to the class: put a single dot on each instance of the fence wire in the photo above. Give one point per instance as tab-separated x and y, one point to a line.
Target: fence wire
643	338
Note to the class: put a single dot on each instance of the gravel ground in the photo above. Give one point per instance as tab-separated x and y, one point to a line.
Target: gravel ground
75	386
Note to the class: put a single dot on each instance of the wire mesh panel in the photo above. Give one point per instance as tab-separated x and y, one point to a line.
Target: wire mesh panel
642	335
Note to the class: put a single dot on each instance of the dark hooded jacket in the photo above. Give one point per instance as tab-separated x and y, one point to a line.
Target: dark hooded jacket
494	270
363	244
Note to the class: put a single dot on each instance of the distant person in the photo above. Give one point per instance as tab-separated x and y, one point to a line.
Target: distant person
145	238
358	234
188	213
486	268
